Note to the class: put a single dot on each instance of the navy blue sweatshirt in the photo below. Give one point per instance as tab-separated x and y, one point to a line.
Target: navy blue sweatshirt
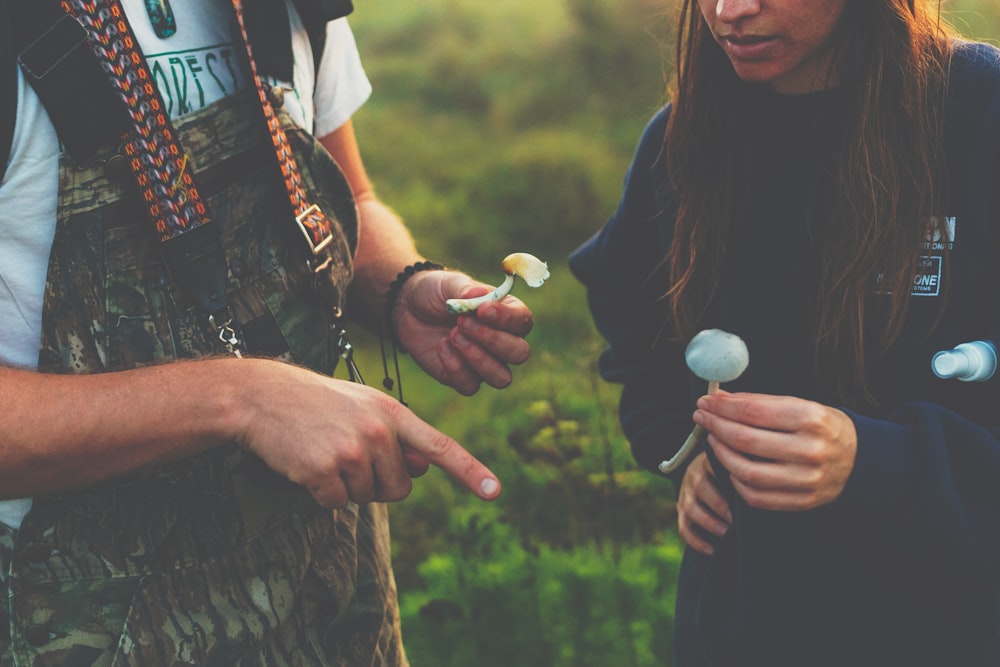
904	568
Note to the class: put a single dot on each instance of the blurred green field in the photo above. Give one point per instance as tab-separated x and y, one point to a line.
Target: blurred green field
501	127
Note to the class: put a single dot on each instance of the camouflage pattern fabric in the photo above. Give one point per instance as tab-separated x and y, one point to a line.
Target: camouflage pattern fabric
214	560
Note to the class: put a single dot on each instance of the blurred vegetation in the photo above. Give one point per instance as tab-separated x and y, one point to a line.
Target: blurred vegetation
501	127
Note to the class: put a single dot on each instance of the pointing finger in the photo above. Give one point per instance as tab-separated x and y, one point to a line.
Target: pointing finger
444	452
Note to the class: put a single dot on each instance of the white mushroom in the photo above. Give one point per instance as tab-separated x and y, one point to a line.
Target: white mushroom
531	269
716	356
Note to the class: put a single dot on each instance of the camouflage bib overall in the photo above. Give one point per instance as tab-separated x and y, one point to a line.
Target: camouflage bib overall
214	560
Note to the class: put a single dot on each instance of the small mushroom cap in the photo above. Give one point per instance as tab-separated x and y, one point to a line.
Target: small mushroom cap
531	269
717	356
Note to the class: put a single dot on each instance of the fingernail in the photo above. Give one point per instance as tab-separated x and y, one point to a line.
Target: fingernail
488	312
703	402
489	486
697	417
469	324
460	340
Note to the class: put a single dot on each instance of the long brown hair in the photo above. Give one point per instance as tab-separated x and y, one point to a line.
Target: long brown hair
884	194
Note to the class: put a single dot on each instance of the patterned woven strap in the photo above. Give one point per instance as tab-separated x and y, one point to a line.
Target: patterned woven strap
311	220
157	159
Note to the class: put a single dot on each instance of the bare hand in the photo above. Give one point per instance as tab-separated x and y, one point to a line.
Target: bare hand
783	453
701	508
464	352
345	441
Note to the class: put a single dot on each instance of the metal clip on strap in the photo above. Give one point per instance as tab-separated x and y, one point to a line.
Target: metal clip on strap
344	348
226	325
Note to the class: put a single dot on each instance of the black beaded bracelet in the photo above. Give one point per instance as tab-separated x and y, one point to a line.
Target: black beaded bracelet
391	296
396	286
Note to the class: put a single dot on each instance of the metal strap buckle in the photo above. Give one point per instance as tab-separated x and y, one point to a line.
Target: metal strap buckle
316	248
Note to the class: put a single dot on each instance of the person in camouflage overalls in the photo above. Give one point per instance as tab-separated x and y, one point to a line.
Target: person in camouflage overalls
194	508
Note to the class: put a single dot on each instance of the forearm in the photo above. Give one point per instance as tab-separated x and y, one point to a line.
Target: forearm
64	431
385	247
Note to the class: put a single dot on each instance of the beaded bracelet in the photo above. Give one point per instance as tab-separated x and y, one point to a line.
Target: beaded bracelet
396	286
391	296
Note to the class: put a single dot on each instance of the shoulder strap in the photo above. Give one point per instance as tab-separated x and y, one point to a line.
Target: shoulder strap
52	51
269	33
315	15
8	89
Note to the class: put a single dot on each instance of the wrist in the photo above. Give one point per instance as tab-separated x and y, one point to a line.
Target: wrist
392	295
230	412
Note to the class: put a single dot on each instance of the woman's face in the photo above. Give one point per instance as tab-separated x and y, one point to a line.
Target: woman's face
781	43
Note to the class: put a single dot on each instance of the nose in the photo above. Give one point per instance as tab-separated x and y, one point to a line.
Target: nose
730	11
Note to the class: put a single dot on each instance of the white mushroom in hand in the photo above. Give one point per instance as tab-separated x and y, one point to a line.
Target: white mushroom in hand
716	356
531	269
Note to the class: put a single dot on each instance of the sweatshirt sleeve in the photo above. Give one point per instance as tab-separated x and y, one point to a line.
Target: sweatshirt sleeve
622	269
927	475
928	481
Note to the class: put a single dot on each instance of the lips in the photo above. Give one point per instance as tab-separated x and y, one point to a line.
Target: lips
747	47
746	39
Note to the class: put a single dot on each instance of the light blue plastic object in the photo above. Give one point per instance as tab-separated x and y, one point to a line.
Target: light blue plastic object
969	362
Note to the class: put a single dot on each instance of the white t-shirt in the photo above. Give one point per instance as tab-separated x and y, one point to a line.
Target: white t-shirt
198	65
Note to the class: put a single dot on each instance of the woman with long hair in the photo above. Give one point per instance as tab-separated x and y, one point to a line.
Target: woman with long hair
821	184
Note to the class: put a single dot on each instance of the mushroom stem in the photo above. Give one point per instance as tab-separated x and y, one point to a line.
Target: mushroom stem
459	306
685	450
683	453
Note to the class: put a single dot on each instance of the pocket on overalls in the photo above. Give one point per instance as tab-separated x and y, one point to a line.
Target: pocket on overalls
143	321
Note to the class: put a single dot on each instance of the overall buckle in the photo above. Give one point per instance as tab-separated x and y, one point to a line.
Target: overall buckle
301	218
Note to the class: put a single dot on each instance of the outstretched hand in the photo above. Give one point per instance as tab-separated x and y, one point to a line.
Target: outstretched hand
343	441
466	351
782	452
